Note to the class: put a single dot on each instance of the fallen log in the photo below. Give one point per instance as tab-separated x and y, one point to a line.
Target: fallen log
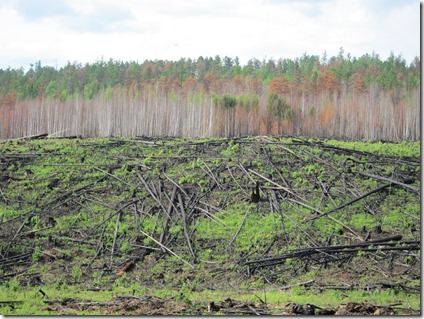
392	181
353	248
350	202
133	141
30	137
305	284
15	258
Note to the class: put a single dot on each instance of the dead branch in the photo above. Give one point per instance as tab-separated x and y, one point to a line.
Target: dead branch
17	233
118	217
211	216
134	141
176	184
238	230
169	213
167	249
184	221
111	175
266	140
272	182
350	202
209	172
30	137
353	248
305	283
245	172
152	194
15	258
405	186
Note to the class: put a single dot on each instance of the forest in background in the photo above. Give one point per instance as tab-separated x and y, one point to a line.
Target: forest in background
343	97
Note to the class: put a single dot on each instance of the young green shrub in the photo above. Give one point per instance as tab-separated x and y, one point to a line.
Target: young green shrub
76	274
125	248
36	255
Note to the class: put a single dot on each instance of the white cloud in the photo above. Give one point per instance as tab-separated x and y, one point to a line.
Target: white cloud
80	30
34	10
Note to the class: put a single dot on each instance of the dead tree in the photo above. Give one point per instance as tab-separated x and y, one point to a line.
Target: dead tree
255	197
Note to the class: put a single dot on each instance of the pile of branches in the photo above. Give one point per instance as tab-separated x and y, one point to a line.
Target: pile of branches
338	254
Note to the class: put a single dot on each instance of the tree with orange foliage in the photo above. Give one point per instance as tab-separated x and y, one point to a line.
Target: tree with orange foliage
208	83
359	85
328	82
238	83
9	99
189	84
279	85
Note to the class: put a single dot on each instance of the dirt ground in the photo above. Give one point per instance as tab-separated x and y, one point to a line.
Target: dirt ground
149	305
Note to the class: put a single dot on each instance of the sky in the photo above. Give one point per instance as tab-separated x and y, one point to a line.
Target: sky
56	32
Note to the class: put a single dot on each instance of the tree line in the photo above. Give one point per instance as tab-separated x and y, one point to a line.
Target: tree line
336	97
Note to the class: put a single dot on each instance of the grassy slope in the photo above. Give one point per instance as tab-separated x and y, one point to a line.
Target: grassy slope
94	178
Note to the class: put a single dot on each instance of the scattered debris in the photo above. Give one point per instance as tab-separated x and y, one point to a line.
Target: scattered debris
144	199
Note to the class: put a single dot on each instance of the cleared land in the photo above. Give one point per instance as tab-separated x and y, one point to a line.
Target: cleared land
174	226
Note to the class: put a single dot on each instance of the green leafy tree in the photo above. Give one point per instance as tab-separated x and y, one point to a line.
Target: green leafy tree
91	89
52	89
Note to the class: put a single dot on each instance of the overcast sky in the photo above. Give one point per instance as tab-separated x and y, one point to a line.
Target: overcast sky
58	31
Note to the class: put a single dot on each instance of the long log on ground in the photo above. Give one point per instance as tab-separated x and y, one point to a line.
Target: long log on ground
330	249
274	167
73	192
70	165
134	141
15	258
278	261
266	140
34	231
380	285
10	302
306	283
405	186
312	239
389	285
329	217
350	202
414	247
211	216
30	137
245	172
80	241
